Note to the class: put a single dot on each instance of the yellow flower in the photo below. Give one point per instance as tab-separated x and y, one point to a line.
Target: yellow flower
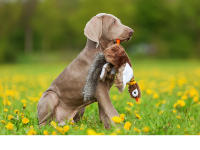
174	111
24	106
66	128
45	132
81	128
175	105
178	126
54	133
138	116
146	129
136	130
184	97
59	129
191	119
122	116
179	93
31	132
148	91
8	103
160	112
2	121
22	115
5	110
127	125
9	126
53	124
116	119
192	92
31	127
135	112
91	132
23	101
155	96
157	104
113	133
179	117
16	111
129	103
25	120
163	102
181	103
128	109
196	99
192	126
71	123
10	117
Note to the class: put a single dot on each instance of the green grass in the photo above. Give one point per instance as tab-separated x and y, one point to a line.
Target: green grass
162	77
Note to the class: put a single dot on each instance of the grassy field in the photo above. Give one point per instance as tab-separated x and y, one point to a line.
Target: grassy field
169	104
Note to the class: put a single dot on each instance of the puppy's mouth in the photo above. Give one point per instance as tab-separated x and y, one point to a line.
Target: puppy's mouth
124	40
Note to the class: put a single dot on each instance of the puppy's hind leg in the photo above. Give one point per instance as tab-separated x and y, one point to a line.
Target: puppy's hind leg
79	114
46	107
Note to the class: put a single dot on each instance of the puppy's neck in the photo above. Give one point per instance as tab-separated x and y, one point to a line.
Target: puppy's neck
103	44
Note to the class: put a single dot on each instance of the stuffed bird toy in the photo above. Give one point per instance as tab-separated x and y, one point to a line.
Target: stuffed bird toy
111	61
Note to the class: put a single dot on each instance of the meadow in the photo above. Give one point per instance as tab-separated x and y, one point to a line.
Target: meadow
169	105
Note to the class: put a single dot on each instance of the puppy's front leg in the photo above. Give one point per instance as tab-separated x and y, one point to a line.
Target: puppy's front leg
102	96
103	117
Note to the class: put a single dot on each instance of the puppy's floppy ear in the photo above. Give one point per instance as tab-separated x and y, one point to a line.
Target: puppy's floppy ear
93	29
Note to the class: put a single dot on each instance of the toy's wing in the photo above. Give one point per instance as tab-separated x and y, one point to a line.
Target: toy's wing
107	71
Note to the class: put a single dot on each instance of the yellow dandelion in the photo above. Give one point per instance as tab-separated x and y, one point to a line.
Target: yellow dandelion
2	121
136	130
5	110
179	93
163	102
184	97
31	132
66	128
191	119
175	105
148	91
129	103
157	104
91	132
178	126
10	117
127	125
116	119
174	111
25	120
138	116
8	103
24	106
81	128
54	133
181	103
59	129
122	116
16	111
113	133
23	101
128	109
9	126
155	96
160	112
53	124
196	99
146	129
179	117
45	132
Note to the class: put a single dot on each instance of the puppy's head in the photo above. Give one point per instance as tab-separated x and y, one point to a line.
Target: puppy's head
108	28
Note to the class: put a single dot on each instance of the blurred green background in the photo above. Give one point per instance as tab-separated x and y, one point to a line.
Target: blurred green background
52	30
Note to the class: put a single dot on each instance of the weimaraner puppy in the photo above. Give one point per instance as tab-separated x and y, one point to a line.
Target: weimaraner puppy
63	100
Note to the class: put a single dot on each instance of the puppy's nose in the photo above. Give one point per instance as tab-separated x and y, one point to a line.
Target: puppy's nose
130	32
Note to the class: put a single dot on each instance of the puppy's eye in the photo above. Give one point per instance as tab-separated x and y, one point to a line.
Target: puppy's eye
113	22
135	93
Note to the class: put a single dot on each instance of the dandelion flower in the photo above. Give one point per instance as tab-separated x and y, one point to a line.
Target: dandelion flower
136	130
10	117
179	93
160	112
129	103
8	103
195	99
174	111
66	128
23	101
45	132
81	128
175	105
179	117
5	110
25	120
91	132
2	121
178	126
148	91
9	126
116	119
146	129
127	125
122	116
54	133
53	124
24	106
16	111
59	129
157	104
155	96
184	97
191	119
31	132
138	116
181	103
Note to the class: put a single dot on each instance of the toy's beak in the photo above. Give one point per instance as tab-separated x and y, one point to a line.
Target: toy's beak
118	41
137	99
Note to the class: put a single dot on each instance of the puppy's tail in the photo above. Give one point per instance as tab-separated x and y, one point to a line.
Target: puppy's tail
92	77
